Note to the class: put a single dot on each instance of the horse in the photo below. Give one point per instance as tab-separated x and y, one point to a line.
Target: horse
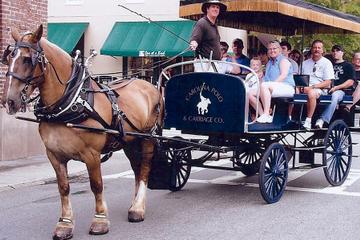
37	63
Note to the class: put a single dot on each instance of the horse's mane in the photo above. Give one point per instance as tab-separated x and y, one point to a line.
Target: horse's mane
51	47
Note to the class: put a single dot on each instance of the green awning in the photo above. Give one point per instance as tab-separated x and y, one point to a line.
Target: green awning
66	35
140	39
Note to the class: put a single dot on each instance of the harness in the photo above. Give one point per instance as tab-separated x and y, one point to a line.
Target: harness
77	103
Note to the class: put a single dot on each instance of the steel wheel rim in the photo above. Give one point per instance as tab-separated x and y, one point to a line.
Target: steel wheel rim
179	167
337	154
273	173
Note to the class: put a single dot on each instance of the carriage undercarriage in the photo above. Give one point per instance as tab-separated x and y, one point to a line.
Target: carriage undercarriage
270	155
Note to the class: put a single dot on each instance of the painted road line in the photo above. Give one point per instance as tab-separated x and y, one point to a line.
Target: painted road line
353	176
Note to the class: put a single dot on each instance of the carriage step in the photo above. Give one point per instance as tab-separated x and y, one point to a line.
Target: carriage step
307	148
308	166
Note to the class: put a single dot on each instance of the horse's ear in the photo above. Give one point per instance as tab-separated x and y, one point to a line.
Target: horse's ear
38	34
15	34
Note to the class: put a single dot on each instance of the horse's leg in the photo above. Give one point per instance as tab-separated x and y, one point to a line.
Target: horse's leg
100	223
141	169
65	227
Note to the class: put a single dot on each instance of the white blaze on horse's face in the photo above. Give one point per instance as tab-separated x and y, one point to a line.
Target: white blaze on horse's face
20	63
9	82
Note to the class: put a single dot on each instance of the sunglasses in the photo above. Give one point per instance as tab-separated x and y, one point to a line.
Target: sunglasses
314	68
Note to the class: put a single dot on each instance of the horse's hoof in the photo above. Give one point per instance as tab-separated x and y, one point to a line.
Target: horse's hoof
100	225
63	230
135	216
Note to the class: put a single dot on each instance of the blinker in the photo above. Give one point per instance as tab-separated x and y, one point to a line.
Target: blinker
4	58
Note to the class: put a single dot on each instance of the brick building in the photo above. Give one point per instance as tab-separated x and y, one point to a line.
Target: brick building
25	15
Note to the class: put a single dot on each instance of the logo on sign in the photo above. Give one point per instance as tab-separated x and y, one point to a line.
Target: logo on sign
202	106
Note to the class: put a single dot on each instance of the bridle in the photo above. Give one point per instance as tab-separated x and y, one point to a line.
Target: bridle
37	58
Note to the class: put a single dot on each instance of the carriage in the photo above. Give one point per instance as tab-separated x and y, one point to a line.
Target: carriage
215	105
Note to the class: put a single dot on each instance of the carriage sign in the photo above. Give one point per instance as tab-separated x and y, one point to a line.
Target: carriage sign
199	102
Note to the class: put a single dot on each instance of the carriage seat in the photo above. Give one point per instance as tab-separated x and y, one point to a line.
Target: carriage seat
302	98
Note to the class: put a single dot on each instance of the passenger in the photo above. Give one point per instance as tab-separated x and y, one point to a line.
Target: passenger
224	67
205	36
263	55
296	56
307	54
252	84
286	49
239	57
321	73
344	79
356	94
224	47
278	80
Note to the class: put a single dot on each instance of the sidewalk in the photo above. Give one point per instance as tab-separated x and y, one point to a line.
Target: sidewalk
37	170
32	171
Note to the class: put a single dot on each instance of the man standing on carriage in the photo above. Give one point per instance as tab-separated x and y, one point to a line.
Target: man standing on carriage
205	37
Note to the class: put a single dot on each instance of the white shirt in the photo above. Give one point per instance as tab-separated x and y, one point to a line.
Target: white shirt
295	66
318	71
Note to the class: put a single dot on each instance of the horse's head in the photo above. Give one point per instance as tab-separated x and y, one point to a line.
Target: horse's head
26	62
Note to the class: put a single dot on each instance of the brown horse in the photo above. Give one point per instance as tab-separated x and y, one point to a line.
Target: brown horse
37	63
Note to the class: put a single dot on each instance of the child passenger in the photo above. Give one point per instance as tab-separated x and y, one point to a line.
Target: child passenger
252	85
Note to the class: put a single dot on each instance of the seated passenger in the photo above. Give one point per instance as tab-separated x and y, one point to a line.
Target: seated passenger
321	72
286	49
356	94
252	85
278	80
239	57
344	79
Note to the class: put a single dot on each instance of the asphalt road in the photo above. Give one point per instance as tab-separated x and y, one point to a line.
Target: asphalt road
214	204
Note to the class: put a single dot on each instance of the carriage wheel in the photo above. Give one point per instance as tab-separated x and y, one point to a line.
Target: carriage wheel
273	173
337	154
249	159
180	168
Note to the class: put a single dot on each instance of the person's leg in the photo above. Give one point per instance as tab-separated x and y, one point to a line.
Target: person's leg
336	97
311	104
253	100
266	90
356	97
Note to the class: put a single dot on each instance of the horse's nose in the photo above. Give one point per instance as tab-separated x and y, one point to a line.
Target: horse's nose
10	103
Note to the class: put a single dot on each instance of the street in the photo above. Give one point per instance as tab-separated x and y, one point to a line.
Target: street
214	204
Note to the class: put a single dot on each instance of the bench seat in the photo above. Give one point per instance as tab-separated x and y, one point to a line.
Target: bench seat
323	99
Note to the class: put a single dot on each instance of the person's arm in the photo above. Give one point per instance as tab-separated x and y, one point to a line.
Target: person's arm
284	70
323	84
347	84
196	36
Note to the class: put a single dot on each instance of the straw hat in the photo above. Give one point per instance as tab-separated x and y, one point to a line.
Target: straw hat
206	4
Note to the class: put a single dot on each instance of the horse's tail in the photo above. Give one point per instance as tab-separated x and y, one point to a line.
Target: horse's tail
161	110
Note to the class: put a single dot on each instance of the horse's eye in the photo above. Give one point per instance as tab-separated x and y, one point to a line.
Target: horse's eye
13	53
27	60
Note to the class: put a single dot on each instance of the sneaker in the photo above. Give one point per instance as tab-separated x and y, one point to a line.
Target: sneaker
319	123
307	125
265	119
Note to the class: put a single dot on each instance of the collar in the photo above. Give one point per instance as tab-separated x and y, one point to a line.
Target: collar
277	59
212	24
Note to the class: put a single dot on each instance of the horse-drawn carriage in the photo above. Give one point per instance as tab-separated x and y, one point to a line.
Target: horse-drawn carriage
216	105
128	114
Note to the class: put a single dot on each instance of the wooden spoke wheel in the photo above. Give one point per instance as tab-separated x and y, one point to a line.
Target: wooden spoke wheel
249	158
273	173
179	158
249	161
337	154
